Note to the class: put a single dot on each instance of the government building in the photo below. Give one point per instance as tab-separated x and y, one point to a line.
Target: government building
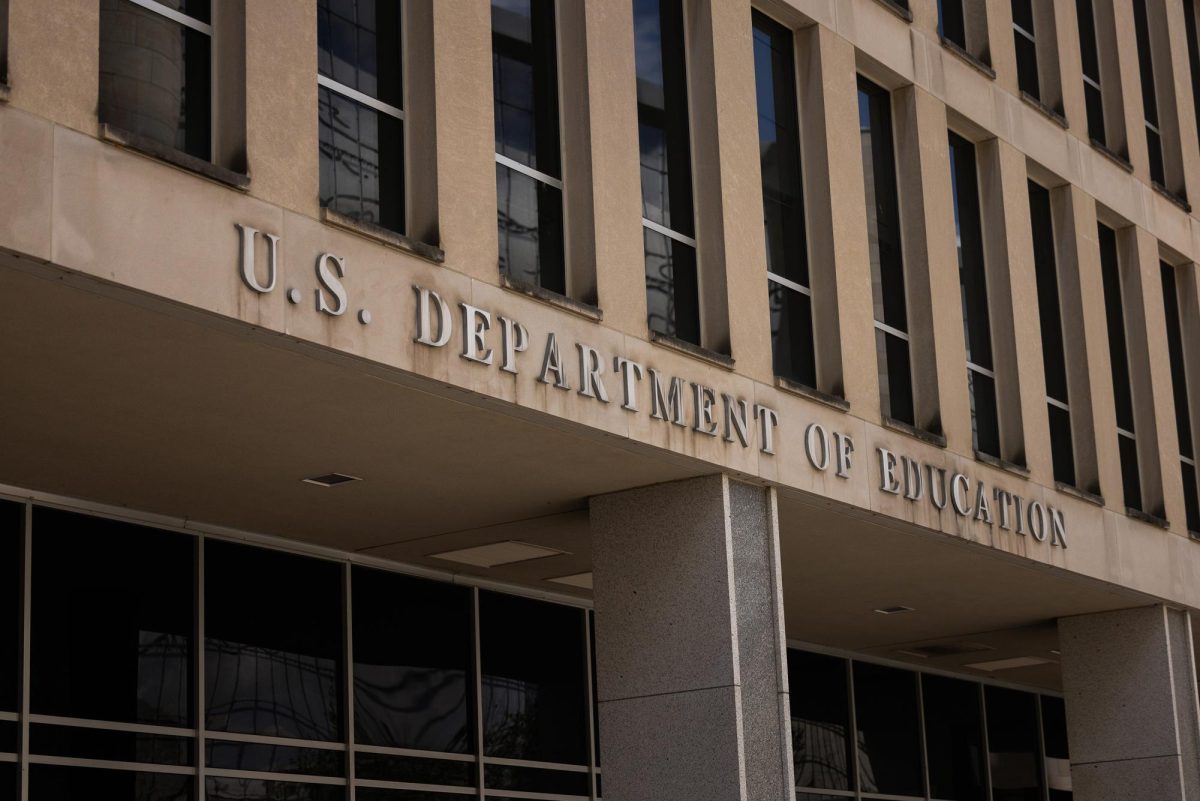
640	400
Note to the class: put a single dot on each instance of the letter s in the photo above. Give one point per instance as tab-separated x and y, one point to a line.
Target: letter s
330	269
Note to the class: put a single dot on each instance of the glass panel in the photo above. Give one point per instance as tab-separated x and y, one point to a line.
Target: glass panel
1155	152
1012	729
530	225
672	293
1191	497
1049	306
362	161
119	746
820	708
964	183
1130	473
391	768
1060	444
112	620
9	731
888	737
1183	417
8	781
984	423
271	758
883	208
379	794
1087	44
412	662
954	738
1095	113
1145	63
1027	66
1114	312
55	783
951	24
536	780
791	334
525	83
154	77
223	789
534	684
12	531
1022	13
1058	755
196	9
273	650
1189	25
895	377
358	45
820	797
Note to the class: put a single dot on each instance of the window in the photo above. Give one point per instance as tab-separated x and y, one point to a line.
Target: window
1054	358
672	288
1090	54
1154	144
887	730
1179	384
529	189
954	738
788	287
360	113
887	259
1013	749
1058	755
962	24
981	376
12	534
1119	361
1026	45
1193	41
820	709
952	22
155	72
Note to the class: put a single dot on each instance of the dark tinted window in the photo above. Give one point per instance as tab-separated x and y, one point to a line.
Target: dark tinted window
1189	22
12	524
820	707
951	22
1058	755
412	662
112	618
954	738
534	683
229	789
155	75
1149	96
1012	730
361	146
525	83
1179	385
1110	269
273	650
1026	47
55	783
889	742
1091	70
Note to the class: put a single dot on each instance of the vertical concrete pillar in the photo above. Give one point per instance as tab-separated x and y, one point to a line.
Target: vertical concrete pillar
690	648
1130	683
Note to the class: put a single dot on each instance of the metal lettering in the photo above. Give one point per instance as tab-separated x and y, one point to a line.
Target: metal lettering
735	422
669	404
914	486
843	447
475	325
983	508
631	373
703	399
1037	523
887	472
1004	499
813	434
514	339
425	319
1058	528
937	489
590	384
551	363
959	500
249	274
767	420
330	269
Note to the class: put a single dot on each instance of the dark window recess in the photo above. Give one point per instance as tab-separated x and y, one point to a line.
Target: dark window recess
1179	385
12	529
155	77
820	709
55	783
1058	755
118	746
9	784
1013	750
1024	38
273	645
888	736
112	617
1189	22
412	663
673	300
534	680
380	794
1054	359
525	83
887	260
973	277
272	758
1149	96
536	780
788	286
415	770
954	738
1114	309
361	147
591	618
227	789
952	23
1090	55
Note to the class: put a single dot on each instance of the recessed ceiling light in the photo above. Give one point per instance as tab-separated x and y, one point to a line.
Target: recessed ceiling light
1009	664
497	553
943	649
330	479
581	580
894	610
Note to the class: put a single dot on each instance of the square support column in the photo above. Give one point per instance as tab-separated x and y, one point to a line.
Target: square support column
690	651
1130	683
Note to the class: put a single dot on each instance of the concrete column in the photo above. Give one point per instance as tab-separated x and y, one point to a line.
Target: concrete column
689	642
1130	683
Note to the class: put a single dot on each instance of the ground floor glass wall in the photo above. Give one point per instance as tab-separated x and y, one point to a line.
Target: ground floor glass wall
166	666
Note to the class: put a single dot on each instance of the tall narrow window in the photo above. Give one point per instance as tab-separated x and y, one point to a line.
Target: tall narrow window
1013	745
887	260
952	22
672	288
981	376
1154	143
529	195
1054	359
1114	308
1026	45
821	729
788	286
1189	23
1183	406
1090	55
360	113
155	72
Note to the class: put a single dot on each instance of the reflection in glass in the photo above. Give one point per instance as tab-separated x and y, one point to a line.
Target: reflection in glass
412	661
1058	755
225	789
112	618
271	758
1012	730
273	645
534	686
530	226
1118	360
56	783
954	738
888	736
536	780
119	746
12	525
820	709
358	46
415	770
1179	386
672	291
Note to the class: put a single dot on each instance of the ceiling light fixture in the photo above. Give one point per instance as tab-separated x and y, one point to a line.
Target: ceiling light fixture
894	610
330	479
1008	664
497	553
581	580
